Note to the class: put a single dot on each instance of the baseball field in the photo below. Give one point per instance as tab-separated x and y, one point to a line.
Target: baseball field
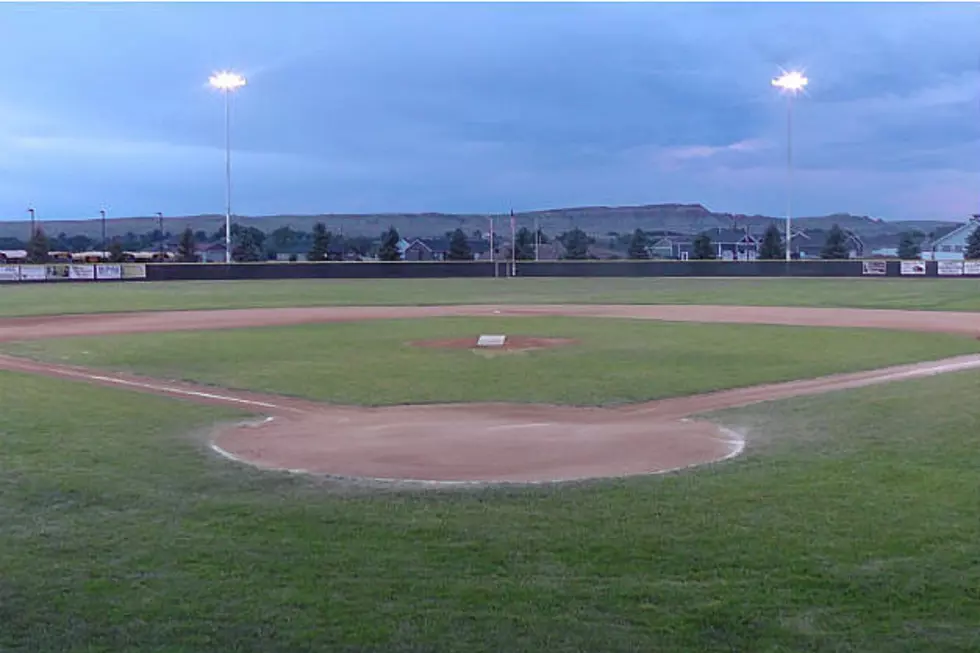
646	465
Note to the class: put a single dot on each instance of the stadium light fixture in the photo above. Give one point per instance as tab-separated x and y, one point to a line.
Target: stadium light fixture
791	83
227	82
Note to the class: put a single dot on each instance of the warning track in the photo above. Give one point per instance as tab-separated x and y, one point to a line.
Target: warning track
481	443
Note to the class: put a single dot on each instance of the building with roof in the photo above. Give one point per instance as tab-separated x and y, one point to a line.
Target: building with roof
810	244
951	246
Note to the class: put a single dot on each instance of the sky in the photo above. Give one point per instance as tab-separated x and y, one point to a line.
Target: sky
480	108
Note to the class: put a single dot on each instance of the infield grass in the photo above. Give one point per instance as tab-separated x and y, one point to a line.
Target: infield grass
54	298
852	523
612	361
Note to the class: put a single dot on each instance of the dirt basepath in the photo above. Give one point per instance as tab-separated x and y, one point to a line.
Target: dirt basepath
35	328
481	442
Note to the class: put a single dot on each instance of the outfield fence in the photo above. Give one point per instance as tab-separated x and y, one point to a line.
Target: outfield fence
88	272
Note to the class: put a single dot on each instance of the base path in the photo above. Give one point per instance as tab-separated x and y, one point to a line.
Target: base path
480	443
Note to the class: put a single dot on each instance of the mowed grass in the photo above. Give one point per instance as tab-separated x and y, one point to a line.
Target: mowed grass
612	361
55	298
852	523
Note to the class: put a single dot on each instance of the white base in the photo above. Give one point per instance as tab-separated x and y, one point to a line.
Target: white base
491	341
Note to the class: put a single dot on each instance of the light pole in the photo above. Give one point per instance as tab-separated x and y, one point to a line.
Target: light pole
226	82
104	243
791	83
537	238
160	223
33	223
493	254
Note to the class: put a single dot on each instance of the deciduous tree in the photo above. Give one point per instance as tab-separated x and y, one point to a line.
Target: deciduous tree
247	248
638	246
576	244
908	248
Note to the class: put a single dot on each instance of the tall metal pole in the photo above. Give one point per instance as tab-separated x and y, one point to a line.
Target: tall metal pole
513	244
537	239
160	222
227	176
789	175
493	254
104	242
33	224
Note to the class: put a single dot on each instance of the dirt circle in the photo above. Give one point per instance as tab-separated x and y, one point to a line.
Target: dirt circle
475	444
511	343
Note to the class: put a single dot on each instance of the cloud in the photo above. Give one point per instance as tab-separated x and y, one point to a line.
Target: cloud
480	106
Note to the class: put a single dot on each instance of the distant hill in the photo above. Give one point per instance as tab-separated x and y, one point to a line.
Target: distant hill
597	220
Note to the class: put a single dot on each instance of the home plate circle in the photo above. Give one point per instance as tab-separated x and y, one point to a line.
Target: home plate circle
491	341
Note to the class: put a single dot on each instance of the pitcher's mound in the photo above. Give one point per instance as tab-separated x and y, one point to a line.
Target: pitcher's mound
511	343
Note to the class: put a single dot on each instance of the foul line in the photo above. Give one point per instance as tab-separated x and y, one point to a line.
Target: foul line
166	389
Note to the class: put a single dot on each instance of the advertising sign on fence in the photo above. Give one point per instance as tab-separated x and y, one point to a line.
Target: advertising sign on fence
57	270
108	271
133	271
873	267
950	268
971	267
33	273
81	272
914	267
9	272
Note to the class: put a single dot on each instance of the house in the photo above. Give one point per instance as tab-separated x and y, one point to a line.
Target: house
437	249
809	245
210	252
675	247
951	246
734	244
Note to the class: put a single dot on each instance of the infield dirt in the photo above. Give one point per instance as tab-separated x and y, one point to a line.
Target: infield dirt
466	443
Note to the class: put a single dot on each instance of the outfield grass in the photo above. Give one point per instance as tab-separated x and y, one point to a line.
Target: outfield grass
926	294
852	524
613	361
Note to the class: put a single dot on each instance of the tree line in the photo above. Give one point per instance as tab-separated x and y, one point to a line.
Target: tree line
250	244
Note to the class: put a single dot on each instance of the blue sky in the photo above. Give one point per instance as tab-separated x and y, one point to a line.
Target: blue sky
481	107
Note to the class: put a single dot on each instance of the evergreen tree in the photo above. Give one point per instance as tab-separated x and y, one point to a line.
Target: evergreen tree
321	243
972	250
459	247
835	248
638	246
389	246
772	244
576	244
908	249
38	248
116	252
704	249
186	250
